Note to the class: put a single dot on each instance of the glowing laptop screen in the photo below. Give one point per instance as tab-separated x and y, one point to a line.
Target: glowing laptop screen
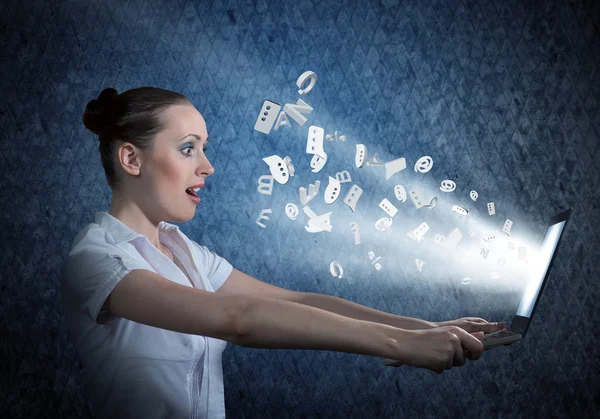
539	268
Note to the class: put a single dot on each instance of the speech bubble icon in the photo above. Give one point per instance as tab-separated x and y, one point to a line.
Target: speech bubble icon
318	162
353	196
394	166
332	191
314	141
400	193
361	155
278	168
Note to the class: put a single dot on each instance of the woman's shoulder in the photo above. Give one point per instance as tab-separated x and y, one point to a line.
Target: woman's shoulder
90	248
92	235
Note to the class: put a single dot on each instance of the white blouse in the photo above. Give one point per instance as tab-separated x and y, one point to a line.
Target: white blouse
132	370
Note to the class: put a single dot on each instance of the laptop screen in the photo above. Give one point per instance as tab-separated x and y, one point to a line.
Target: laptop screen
539	269
538	272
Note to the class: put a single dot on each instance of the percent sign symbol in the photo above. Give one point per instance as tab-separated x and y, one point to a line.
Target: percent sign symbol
375	260
333	137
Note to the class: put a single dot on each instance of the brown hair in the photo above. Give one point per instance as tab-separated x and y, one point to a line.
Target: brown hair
134	116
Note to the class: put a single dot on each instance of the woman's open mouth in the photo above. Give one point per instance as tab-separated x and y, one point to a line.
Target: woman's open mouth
192	195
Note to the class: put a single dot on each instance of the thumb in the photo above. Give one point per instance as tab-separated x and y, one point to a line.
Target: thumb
478	335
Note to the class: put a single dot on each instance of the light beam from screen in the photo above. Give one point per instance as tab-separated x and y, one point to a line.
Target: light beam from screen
467	262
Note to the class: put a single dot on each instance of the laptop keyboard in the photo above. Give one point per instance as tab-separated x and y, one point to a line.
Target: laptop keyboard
498	334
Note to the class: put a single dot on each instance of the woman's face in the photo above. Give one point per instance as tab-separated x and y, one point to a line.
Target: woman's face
177	163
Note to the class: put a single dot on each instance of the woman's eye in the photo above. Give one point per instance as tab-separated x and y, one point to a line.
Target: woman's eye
192	147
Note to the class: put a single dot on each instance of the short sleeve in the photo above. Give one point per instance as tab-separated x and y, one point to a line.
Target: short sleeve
91	271
215	268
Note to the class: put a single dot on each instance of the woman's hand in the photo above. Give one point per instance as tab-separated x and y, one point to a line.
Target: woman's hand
438	349
474	324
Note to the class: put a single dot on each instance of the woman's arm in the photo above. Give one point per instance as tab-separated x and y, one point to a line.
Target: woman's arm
280	324
247	320
241	283
360	312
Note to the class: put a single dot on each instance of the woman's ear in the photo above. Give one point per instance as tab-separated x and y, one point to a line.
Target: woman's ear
130	158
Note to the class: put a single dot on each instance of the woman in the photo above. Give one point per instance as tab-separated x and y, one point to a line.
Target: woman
150	311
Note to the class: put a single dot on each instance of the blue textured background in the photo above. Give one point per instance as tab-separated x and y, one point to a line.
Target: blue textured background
504	95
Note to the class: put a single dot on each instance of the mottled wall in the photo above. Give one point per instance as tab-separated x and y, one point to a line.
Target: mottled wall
504	95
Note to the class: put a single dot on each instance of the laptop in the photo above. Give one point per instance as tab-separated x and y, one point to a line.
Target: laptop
539	277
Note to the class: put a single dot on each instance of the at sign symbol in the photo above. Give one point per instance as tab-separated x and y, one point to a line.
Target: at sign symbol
424	164
448	186
291	210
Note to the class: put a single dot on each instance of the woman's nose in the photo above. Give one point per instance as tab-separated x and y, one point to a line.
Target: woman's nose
206	167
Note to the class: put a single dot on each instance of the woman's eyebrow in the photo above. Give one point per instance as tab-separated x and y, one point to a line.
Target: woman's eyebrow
192	135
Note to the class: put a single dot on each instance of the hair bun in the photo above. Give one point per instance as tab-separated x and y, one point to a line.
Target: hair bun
94	117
